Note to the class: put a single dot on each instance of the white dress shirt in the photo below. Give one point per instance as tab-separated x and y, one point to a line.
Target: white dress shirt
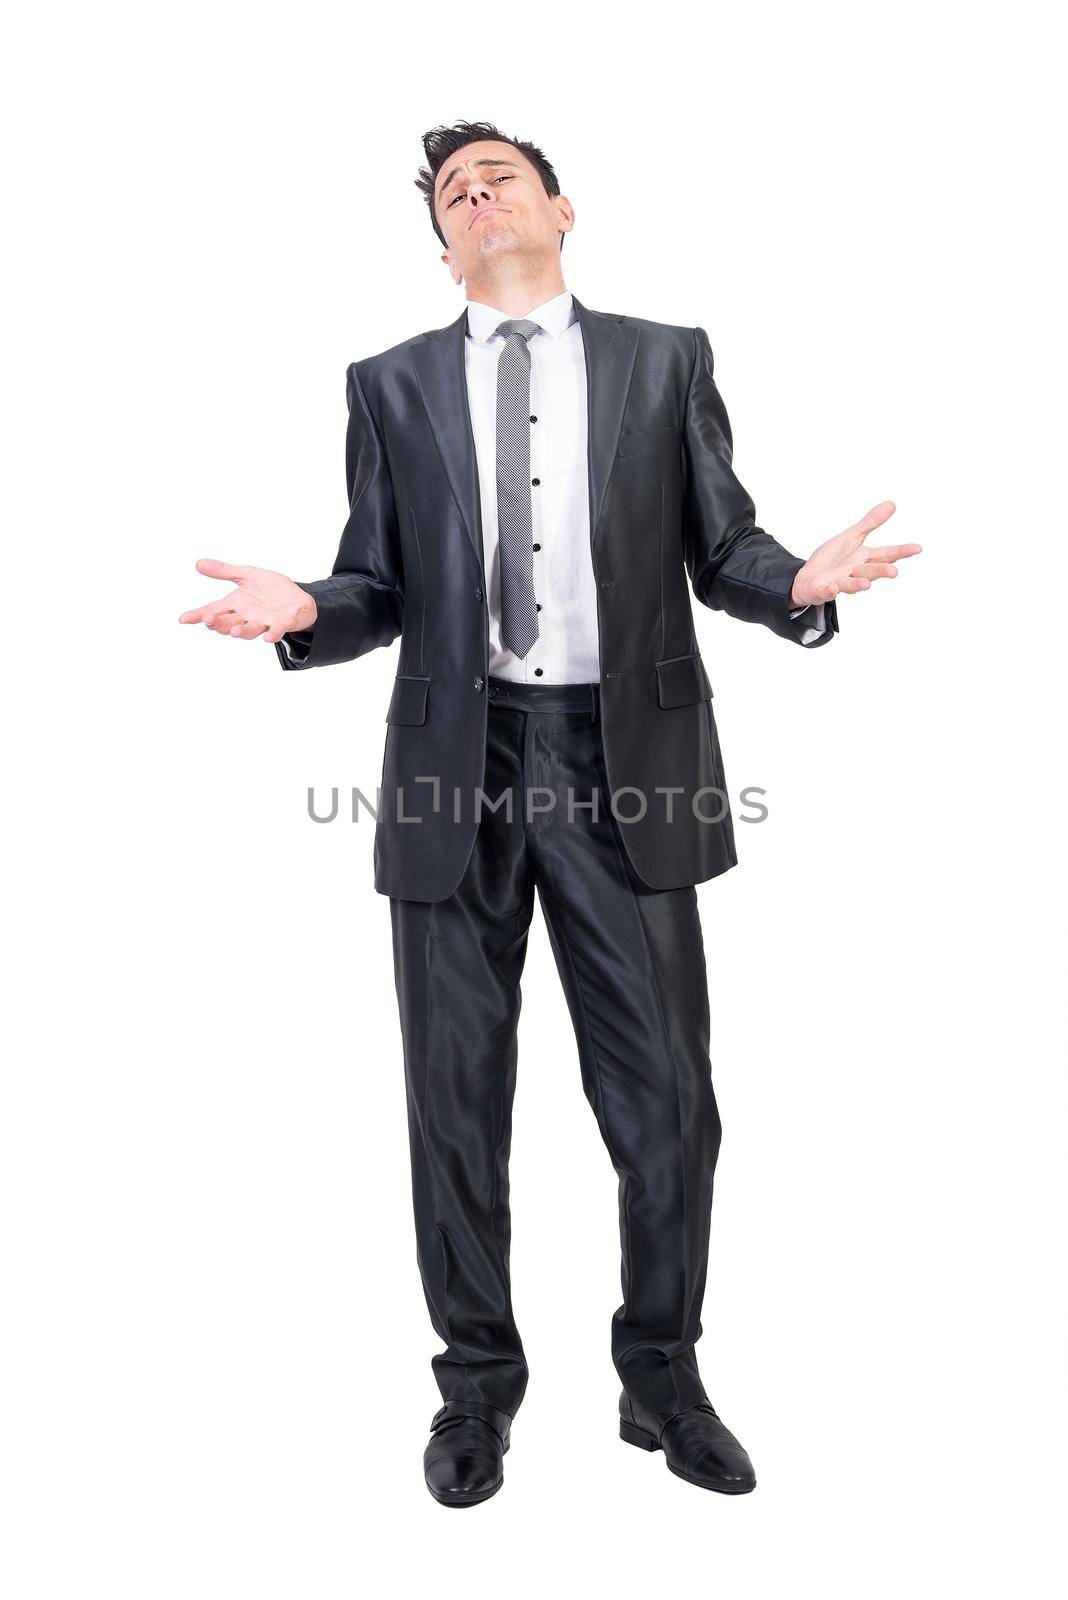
565	650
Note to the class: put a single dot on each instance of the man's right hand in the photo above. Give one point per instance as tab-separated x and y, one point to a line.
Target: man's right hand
265	605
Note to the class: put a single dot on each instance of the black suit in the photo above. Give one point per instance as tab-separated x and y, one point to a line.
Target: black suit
665	507
666	511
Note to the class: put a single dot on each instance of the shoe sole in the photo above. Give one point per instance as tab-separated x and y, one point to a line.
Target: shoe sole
645	1441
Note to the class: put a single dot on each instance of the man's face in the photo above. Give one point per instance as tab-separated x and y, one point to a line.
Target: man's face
489	199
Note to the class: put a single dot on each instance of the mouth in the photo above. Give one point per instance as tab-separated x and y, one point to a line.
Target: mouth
487	211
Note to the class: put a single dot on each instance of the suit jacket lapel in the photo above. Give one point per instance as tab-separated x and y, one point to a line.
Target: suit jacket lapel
609	345
441	371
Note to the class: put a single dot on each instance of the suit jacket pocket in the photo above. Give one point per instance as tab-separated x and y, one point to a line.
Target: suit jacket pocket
639	440
408	701
682	681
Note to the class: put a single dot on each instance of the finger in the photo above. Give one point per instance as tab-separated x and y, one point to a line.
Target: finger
891	552
221	569
223	621
192	616
871	520
221	608
248	630
853	583
275	632
878	569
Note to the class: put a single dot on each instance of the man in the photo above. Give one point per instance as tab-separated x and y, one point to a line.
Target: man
533	490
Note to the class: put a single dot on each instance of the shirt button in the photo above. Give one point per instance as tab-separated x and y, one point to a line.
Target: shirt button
537	672
533	419
537	605
478	683
537	547
535	481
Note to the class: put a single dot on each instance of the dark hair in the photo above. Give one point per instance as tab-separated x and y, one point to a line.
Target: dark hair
441	143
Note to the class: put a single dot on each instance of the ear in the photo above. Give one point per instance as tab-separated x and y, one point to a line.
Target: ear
565	212
454	271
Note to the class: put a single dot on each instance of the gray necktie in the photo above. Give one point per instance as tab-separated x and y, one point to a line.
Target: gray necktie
515	530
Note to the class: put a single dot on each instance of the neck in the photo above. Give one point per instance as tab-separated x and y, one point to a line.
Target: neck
516	293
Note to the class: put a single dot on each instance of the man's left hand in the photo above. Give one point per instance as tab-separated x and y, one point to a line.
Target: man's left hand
845	565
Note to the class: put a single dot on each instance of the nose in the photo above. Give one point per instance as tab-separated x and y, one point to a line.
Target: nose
478	195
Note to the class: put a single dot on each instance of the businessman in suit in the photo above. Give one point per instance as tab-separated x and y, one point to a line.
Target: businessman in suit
534	490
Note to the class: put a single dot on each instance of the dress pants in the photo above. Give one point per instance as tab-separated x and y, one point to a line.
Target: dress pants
631	961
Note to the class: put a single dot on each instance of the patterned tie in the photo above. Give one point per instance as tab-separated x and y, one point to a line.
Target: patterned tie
515	529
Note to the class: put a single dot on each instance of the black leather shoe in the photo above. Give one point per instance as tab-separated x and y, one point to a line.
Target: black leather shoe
695	1443
463	1463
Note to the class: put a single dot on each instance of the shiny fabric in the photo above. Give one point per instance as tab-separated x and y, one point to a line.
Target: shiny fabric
667	515
631	962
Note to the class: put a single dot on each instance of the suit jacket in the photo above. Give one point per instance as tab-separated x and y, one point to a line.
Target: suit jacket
667	514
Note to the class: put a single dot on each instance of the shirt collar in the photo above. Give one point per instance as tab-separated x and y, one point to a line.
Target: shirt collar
554	316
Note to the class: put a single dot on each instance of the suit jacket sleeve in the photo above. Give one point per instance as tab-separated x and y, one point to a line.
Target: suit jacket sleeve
361	605
735	566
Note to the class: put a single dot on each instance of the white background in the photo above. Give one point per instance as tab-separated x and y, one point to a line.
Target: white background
215	1349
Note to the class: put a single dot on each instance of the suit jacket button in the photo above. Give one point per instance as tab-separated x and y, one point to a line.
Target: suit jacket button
478	683
478	593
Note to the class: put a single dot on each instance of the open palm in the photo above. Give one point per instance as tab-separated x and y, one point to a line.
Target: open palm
264	605
846	565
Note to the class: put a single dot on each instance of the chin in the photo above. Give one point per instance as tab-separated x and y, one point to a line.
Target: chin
496	237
